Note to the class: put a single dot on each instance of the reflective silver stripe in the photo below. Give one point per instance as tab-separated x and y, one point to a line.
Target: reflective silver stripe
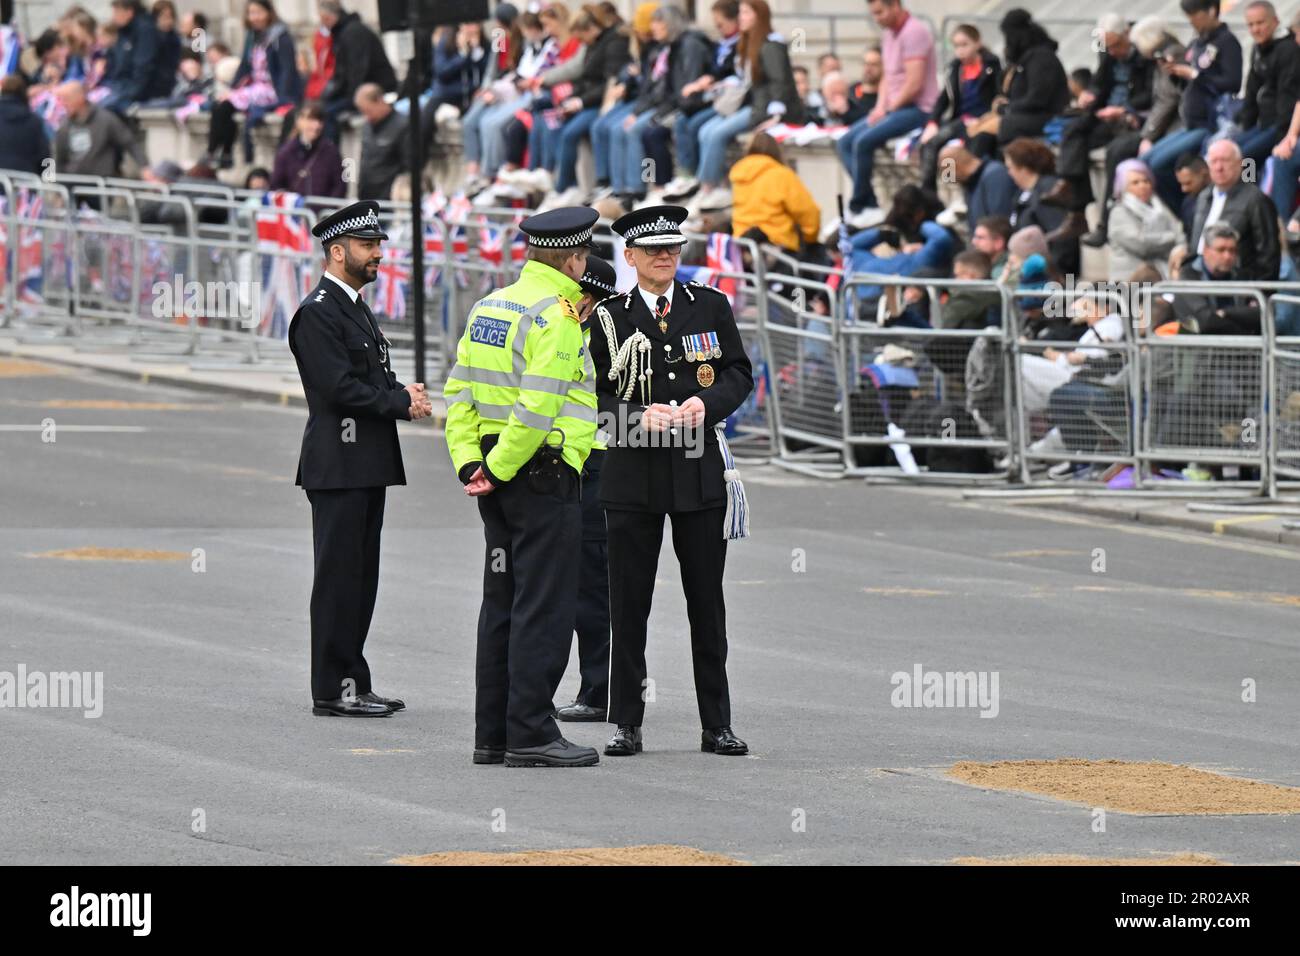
464	395
503	304
498	413
522	327
485	376
544	383
581	412
532	419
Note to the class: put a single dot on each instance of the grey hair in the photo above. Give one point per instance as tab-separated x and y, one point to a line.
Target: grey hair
1220	230
1112	23
672	18
1148	34
1272	10
333	7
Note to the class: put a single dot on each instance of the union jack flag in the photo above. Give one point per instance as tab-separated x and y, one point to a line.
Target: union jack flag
491	239
391	283
722	255
286	277
29	257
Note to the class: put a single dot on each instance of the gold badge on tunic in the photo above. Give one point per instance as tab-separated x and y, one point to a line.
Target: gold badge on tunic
704	375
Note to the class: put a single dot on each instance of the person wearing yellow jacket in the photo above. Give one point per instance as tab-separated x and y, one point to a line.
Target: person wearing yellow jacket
766	194
521	419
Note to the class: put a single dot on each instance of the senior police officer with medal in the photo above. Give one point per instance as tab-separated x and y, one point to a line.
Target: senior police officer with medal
350	454
521	418
592	620
670	367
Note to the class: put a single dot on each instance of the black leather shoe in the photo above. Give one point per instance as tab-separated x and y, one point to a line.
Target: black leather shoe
577	711
1095	239
720	740
558	753
625	742
350	707
392	703
489	754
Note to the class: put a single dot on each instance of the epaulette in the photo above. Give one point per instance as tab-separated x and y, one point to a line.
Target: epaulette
569	310
701	285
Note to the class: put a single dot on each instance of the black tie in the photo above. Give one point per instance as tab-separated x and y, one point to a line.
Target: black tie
370	317
661	312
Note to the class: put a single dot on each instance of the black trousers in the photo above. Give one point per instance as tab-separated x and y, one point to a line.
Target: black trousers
592	621
222	128
525	626
635	538
1084	134
345	535
953	129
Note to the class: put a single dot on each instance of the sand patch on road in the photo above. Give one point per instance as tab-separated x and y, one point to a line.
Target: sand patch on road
1130	787
1059	859
113	554
656	855
23	368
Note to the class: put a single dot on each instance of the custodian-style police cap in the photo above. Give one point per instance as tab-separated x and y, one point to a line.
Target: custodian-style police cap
359	220
566	228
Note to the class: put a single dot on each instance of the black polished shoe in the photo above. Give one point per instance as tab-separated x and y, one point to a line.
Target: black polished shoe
558	753
577	711
350	707
392	703
1095	239
720	740
625	742
489	754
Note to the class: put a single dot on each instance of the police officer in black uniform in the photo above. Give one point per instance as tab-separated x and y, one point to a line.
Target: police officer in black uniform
598	282
350	455
683	372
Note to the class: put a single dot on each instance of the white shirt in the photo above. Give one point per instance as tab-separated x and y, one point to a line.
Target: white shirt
352	293
1220	197
651	299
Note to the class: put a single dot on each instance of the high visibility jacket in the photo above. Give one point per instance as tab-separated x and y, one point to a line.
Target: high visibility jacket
522	371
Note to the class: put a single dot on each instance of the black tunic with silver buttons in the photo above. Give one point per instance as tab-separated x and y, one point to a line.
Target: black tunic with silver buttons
670	477
343	361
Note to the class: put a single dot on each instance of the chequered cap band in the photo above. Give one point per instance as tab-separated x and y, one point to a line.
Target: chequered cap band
560	242
598	284
660	225
368	221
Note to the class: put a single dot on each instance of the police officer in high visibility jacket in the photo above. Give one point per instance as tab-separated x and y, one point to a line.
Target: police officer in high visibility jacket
521	417
592	622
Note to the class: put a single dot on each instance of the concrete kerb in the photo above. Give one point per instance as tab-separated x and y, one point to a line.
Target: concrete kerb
1230	520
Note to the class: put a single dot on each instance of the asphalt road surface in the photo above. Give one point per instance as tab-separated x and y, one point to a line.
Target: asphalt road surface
206	750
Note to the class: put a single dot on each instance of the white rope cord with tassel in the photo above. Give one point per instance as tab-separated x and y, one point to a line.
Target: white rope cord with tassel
628	362
735	523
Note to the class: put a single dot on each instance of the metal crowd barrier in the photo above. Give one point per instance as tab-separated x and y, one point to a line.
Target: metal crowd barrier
841	391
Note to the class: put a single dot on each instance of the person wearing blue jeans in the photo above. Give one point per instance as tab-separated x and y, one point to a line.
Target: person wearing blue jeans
1164	154
601	131
627	155
570	136
857	149
688	139
715	135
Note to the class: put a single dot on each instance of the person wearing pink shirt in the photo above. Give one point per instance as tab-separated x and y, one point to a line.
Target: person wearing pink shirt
907	95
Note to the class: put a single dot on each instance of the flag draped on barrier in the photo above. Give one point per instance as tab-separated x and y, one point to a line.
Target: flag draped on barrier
721	256
286	273
29	255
